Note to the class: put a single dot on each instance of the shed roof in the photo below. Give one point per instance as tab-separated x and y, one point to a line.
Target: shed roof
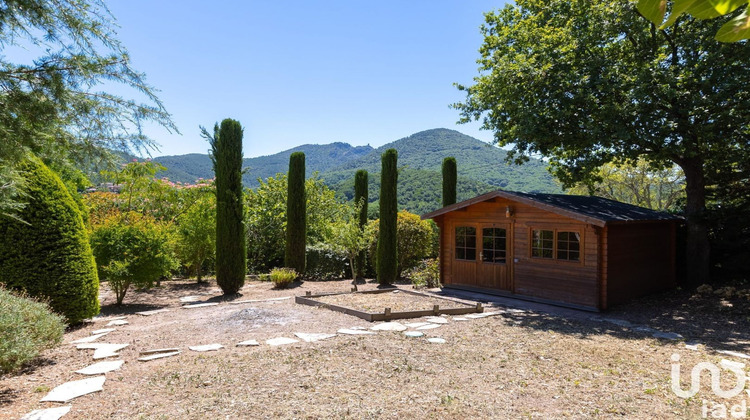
590	209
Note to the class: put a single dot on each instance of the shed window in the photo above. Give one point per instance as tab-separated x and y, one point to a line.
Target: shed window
542	242
466	243
568	246
493	245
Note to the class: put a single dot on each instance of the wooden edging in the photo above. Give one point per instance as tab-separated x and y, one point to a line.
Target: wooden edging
386	315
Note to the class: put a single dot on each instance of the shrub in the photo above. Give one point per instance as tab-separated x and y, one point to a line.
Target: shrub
231	255
283	277
196	241
296	217
132	249
49	256
325	262
387	260
27	327
415	240
425	274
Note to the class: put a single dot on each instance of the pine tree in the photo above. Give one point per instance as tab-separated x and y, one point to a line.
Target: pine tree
226	155
49	255
387	253
360	198
449	181
296	214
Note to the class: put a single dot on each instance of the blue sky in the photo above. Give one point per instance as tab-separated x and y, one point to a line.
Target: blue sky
296	72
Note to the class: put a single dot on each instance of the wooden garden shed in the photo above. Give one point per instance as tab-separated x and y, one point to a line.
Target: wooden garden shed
579	251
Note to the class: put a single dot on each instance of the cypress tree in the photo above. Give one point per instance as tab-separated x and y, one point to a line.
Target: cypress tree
49	255
387	253
361	197
226	155
449	181
296	214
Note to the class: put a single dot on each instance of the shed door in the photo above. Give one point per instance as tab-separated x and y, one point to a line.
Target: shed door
494	257
465	254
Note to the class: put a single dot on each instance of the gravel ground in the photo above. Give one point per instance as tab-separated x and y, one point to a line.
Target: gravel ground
396	300
517	365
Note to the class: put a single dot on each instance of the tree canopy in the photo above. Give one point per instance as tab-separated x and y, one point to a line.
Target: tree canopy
736	29
60	105
591	82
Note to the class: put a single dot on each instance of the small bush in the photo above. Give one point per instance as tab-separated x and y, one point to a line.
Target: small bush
426	274
132	249
325	262
27	327
283	277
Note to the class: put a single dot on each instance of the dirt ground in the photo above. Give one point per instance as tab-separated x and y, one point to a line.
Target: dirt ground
516	365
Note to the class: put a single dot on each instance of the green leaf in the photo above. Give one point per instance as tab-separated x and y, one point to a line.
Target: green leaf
735	30
653	10
709	9
678	8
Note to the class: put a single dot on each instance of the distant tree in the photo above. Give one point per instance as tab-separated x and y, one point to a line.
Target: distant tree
61	103
639	184
450	179
296	214
591	82
360	199
415	239
226	155
350	238
196	232
387	257
49	256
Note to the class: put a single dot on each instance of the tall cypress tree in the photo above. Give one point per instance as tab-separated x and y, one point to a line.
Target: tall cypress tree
361	197
449	181
296	214
387	256
226	155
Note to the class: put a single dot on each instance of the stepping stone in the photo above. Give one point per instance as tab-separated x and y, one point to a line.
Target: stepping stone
114	318
154	351
89	339
429	327
154	312
460	318
159	356
207	347
199	305
357	328
48	413
620	322
350	331
101	367
646	330
416	324
667	335
516	311
103	330
248	343
312	337
281	341
75	389
483	315
735	354
414	334
103	350
260	300
389	326
117	322
692	346
192	298
436	320
436	340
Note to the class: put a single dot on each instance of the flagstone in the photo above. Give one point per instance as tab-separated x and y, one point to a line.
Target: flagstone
281	341
158	356
248	343
312	337
199	305
75	389
154	312
101	367
436	340
207	347
154	351
416	324
103	330
103	350
351	331
389	326
117	322
48	413
429	327
89	339
413	334
436	320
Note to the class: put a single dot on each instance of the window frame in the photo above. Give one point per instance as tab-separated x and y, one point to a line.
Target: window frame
464	247
555	231
505	251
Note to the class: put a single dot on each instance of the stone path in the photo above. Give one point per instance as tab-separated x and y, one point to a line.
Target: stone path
74	389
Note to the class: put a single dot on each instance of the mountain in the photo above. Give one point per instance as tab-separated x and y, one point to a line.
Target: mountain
481	168
318	158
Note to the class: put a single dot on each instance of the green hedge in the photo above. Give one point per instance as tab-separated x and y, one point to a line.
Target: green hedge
27	327
49	256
